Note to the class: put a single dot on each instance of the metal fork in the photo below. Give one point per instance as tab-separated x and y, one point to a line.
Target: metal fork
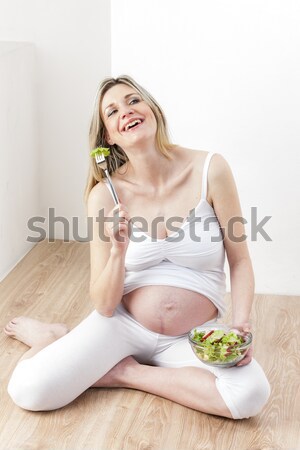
101	162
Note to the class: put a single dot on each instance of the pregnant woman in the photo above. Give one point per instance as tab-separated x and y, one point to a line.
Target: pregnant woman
157	270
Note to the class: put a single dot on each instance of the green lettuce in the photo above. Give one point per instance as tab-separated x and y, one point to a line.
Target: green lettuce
218	346
100	151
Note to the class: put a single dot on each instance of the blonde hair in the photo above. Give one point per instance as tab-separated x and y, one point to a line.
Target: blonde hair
97	137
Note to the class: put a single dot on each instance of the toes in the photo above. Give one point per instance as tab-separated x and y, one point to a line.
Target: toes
7	328
15	320
12	323
10	326
8	331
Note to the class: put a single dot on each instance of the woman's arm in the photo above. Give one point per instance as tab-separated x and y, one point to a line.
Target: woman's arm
108	247
224	196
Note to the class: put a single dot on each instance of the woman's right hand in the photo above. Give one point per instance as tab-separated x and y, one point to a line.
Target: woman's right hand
117	227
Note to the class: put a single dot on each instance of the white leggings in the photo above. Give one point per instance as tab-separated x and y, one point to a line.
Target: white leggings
63	370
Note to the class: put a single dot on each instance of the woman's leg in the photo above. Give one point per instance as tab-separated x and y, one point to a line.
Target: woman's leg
34	333
97	350
237	392
189	386
61	371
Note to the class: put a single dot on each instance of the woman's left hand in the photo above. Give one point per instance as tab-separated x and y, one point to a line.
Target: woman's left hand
244	328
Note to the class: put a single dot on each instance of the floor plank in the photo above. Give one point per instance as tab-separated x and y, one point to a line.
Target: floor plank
51	284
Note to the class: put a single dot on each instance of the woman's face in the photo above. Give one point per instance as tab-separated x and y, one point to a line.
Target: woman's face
128	119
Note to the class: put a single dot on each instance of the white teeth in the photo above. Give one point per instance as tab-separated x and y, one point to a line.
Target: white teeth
131	124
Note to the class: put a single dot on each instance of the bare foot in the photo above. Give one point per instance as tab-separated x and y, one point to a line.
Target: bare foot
33	332
118	375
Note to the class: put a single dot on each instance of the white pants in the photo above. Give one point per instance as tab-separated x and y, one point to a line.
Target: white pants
62	371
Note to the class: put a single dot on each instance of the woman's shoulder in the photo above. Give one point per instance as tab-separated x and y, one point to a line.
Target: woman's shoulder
218	166
99	197
220	178
189	154
198	156
219	172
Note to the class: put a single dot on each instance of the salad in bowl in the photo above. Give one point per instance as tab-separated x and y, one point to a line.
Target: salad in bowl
218	345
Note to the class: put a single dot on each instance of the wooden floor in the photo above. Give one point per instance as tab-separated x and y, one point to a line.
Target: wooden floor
51	284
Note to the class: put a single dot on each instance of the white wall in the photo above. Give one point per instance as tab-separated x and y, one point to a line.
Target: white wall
227	76
72	41
19	185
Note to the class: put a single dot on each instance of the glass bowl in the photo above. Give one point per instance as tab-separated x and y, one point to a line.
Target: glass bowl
210	346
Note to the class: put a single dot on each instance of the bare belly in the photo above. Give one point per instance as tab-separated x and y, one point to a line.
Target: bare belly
169	310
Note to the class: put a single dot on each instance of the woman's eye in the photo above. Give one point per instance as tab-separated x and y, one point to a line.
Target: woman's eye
134	100
110	113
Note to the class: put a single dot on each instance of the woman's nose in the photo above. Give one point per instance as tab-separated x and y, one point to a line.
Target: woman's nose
126	113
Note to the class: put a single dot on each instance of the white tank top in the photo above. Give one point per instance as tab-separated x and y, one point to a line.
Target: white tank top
192	258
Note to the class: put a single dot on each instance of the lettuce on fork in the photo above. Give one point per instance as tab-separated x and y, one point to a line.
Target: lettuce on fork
100	151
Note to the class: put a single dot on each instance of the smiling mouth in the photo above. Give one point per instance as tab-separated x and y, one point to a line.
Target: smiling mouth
133	124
